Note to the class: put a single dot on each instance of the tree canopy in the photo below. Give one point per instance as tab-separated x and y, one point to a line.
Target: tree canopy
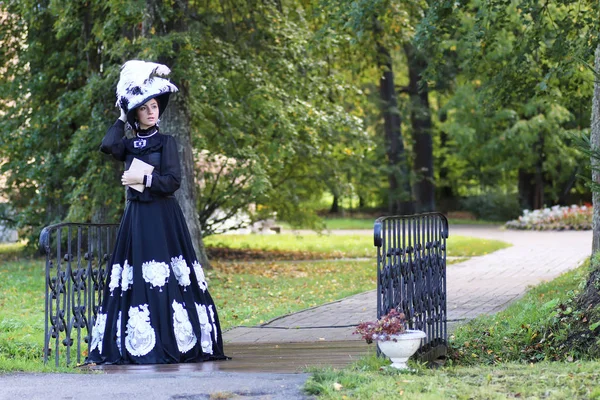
405	105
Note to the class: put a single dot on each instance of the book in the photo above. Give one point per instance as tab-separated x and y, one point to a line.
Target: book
145	168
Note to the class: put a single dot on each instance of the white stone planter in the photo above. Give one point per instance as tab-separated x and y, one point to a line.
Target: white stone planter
399	351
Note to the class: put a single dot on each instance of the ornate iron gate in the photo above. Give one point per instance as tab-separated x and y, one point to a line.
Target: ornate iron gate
411	274
76	263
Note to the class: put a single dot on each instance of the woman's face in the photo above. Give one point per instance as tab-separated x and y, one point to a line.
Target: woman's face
147	114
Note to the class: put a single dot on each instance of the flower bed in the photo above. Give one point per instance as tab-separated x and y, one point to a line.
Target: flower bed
557	218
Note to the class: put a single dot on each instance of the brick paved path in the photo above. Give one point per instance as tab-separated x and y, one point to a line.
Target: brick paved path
480	285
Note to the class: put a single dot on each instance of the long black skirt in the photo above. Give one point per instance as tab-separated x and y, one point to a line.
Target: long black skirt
156	307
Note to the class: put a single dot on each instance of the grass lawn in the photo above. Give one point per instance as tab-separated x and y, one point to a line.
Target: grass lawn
262	290
367	223
520	331
343	246
371	379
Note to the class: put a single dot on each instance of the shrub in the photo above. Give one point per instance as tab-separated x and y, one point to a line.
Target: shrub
493	206
555	218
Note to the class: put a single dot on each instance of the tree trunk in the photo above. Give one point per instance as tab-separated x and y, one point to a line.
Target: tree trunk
176	122
526	190
420	118
595	144
400	198
335	205
538	149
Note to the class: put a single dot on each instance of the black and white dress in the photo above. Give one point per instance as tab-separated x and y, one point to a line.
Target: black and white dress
156	307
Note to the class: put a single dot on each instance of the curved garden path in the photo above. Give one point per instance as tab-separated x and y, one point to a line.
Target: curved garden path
480	285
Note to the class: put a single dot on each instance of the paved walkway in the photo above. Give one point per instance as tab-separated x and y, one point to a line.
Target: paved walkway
480	285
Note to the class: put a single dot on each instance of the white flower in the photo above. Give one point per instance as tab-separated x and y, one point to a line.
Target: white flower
127	277
115	277
155	273
202	315
200	276
98	332
140	337
119	333
181	270
182	327
205	329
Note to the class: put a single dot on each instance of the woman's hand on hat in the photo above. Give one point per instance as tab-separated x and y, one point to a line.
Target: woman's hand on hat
123	116
132	178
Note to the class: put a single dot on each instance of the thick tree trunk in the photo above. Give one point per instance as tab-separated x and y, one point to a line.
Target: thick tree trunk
400	197
595	142
176	122
420	118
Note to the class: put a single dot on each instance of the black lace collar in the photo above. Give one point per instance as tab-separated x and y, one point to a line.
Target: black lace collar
146	133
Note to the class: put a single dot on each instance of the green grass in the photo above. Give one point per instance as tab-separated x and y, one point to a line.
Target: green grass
349	246
521	332
21	312
367	223
11	251
371	379
251	294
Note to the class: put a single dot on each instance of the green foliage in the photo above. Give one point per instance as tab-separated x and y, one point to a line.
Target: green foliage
522	88
270	126
493	206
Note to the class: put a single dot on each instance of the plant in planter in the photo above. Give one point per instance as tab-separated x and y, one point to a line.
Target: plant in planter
392	337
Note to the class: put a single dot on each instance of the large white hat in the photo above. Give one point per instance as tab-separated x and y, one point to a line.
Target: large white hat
139	82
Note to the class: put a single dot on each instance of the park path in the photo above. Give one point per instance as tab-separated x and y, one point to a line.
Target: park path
269	360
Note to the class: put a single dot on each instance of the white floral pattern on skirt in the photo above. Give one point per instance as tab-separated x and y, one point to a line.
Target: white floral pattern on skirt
119	333
127	277
181	270
115	277
184	334
155	273
200	276
98	331
140	337
205	329
212	318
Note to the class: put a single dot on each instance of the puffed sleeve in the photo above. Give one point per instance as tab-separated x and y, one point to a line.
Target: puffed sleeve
169	179
113	141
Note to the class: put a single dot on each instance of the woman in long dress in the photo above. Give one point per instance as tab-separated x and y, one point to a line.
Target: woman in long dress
156	307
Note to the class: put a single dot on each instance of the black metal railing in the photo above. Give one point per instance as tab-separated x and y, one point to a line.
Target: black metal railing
411	275
76	263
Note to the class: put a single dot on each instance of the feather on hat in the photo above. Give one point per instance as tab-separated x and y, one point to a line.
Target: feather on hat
139	82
